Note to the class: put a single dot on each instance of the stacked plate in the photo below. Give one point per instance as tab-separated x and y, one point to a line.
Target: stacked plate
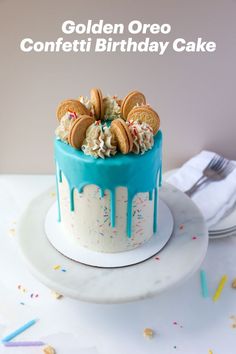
225	227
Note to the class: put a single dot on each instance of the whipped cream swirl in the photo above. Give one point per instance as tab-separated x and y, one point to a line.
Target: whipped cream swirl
111	108
87	103
142	135
99	141
62	131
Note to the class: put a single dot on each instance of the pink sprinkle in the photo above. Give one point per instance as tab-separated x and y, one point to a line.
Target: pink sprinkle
181	227
157	258
175	323
194	238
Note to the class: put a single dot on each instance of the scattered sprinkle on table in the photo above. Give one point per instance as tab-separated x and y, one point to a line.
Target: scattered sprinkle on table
204	286
194	237
24	344
49	350
181	227
220	287
148	333
56	267
234	283
53	194
210	351
18	331
21	288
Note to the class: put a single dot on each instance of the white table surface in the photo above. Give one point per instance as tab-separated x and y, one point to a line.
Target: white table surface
74	327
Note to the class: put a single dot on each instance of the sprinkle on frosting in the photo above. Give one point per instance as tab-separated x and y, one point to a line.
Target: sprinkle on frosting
142	136
112	109
62	131
87	103
99	141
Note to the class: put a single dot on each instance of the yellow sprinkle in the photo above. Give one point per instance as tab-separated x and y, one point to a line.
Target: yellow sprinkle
220	288
56	267
148	333
53	194
210	351
56	295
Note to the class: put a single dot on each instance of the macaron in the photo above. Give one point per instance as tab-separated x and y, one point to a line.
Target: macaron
133	99
145	114
122	135
97	101
78	129
71	105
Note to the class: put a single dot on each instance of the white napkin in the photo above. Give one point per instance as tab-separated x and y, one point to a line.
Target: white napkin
214	199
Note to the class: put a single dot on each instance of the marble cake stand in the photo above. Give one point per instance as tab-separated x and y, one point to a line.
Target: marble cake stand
178	260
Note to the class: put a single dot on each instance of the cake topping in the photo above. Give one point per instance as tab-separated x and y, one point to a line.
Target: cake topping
99	141
111	108
142	135
72	106
122	134
145	114
78	129
133	99
62	131
130	124
87	103
97	101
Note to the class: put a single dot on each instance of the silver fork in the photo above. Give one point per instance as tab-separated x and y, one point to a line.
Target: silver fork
217	169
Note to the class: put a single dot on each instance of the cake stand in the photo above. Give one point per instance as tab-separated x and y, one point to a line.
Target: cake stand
178	260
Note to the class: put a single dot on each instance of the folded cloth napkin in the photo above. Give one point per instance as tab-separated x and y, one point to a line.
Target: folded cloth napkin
214	199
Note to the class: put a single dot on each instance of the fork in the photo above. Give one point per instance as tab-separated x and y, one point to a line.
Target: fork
217	169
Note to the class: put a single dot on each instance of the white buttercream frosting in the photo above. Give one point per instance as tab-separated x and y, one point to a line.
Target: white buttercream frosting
99	141
62	131
87	103
142	135
111	108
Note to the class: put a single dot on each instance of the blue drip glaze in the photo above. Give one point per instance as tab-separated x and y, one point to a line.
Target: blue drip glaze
155	210
160	175
58	198
72	203
60	176
138	173
150	195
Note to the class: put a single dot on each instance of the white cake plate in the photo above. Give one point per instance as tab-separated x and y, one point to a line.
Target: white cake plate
178	260
68	246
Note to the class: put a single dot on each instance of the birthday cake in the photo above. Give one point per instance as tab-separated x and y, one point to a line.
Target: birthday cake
108	154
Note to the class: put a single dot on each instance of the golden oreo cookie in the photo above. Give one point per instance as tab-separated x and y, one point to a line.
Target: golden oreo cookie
133	99
78	129
73	106
145	114
122	135
97	101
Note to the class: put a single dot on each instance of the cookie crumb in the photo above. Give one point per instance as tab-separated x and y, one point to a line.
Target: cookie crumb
234	283
56	295
148	333
49	350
